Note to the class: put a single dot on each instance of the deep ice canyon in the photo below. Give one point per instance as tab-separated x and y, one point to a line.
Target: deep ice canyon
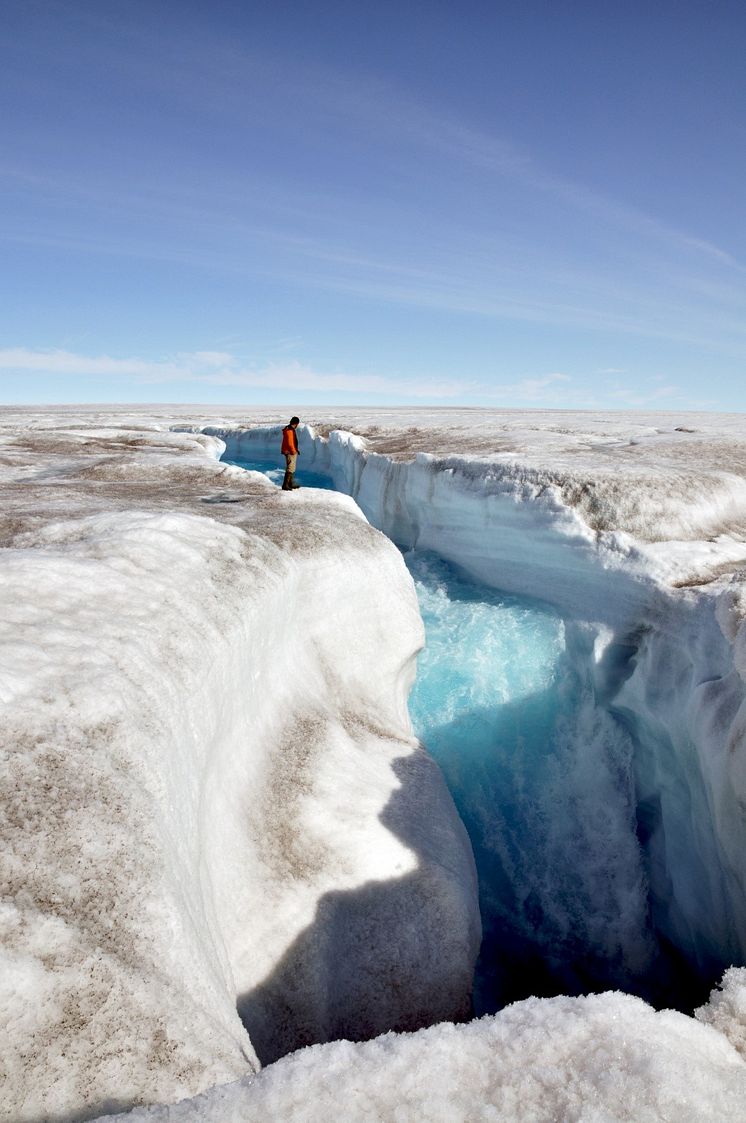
640	775
645	718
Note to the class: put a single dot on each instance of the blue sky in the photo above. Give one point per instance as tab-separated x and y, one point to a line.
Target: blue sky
515	205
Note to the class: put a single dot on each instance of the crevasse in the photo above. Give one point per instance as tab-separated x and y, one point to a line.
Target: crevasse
609	817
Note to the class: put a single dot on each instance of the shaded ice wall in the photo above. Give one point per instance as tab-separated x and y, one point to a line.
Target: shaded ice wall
685	705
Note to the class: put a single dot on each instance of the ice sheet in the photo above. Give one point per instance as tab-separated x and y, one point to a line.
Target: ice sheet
151	596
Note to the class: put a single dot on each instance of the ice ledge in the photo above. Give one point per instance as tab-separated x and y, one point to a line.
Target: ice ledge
213	794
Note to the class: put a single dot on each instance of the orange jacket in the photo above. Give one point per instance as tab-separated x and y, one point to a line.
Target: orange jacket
289	441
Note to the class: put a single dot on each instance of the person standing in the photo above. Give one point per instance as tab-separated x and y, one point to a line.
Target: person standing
290	452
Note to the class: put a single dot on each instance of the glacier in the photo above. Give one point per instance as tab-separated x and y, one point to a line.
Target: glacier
218	807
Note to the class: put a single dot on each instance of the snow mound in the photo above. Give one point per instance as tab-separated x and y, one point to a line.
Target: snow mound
603	1058
726	1010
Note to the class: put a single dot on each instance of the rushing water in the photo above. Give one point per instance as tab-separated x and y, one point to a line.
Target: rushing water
542	778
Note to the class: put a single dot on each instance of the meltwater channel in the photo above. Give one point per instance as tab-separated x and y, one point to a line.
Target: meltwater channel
542	779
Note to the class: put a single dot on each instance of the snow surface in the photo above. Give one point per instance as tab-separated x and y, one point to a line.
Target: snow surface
215	799
579	1060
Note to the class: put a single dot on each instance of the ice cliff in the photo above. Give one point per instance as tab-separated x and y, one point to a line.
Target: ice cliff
216	807
213	802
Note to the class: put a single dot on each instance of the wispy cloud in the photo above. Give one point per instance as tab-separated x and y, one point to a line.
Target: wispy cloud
383	111
545	389
18	359
459	284
656	390
297	376
627	396
391	111
217	368
386	111
643	314
340	244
